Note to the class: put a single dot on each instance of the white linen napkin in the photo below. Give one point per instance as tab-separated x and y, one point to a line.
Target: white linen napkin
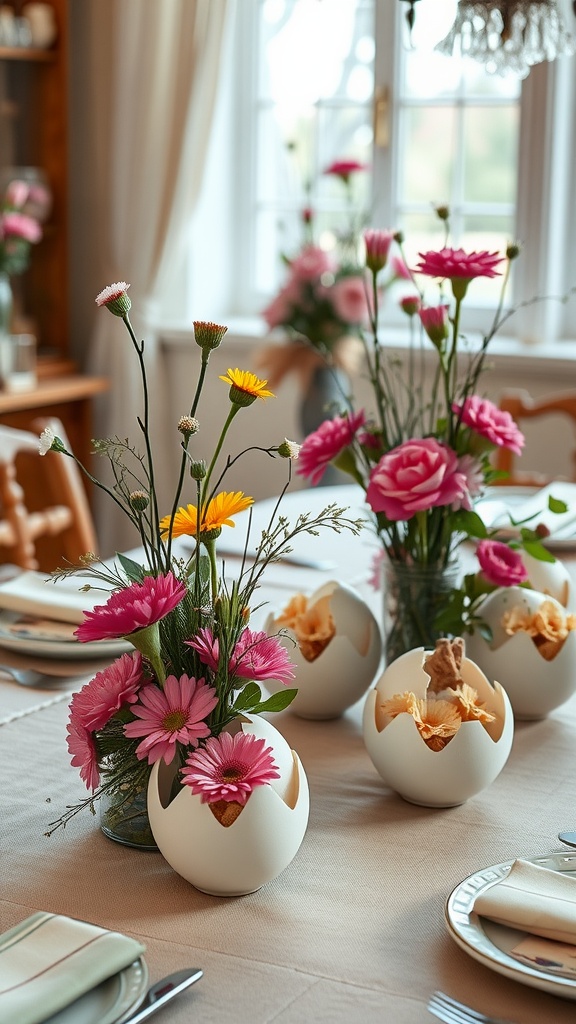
33	594
533	899
48	961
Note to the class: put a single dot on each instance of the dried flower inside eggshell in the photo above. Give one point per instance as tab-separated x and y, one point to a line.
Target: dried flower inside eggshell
449	701
312	623
548	626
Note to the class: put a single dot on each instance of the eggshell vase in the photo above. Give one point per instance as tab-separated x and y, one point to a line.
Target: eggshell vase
469	763
342	673
258	846
535	686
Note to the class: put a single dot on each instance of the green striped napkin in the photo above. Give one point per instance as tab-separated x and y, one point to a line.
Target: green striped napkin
48	961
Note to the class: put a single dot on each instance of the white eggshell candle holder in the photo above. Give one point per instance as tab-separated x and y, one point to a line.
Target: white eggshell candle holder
258	846
469	763
534	685
551	578
344	670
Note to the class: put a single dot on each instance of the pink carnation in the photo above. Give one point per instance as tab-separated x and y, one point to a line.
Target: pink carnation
458	263
417	475
473	474
487	420
435	322
344	168
17	192
326	443
349	298
99	700
377	248
132	609
500	564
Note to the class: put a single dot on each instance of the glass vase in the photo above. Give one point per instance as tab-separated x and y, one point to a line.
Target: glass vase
124	816
414	595
325	394
6	301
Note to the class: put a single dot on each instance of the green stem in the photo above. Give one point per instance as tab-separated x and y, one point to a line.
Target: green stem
234	409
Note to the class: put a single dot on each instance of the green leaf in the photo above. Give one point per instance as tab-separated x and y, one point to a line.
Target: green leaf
555	505
133	570
472	524
249	697
277	702
537	550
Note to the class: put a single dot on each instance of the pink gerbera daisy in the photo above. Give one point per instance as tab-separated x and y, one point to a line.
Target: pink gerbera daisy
173	715
132	609
256	655
326	443
229	767
82	746
259	656
99	700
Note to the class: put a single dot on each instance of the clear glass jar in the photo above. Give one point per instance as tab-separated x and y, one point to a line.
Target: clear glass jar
124	817
414	595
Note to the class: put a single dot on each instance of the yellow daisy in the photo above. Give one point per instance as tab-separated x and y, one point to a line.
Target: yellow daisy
247	383
218	512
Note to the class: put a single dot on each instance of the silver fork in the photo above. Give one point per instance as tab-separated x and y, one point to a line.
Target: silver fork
29	677
452	1012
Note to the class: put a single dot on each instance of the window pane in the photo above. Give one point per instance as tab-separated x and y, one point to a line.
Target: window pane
490	149
427	161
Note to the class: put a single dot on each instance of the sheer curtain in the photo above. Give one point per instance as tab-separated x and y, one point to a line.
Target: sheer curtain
151	82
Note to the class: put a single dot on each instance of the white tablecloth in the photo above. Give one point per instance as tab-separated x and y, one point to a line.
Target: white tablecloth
353	930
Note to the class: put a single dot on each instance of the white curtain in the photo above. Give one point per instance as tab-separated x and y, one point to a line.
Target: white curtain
152	77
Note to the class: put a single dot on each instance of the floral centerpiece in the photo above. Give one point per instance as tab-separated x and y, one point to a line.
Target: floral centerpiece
422	454
187	688
22	209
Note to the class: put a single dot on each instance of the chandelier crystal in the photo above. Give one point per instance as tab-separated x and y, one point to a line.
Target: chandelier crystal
508	36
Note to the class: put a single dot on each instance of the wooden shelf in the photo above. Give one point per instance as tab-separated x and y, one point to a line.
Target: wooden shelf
26	53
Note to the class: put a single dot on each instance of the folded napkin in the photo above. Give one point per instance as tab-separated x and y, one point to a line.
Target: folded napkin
48	961
63	600
533	899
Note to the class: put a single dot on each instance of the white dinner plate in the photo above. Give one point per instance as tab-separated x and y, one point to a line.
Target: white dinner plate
111	1002
496	500
16	635
490	943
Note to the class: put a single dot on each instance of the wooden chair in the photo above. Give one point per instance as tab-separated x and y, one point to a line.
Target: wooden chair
522	406
45	517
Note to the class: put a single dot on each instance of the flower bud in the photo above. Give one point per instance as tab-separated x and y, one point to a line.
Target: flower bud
208	335
442	212
49	442
513	250
289	449
198	469
411	304
139	501
435	323
377	248
115	299
188	425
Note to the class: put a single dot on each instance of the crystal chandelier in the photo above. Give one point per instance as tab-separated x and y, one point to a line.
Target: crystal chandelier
508	36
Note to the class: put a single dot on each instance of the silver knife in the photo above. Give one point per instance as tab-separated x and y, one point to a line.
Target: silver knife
163	991
321	564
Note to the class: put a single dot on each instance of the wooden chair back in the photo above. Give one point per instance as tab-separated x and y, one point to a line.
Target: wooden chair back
522	406
45	516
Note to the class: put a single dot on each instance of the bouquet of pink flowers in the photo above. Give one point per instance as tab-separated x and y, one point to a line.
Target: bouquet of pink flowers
423	453
21	212
195	664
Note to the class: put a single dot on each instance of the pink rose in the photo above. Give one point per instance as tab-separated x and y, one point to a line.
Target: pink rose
487	420
17	193
311	263
417	475
22	226
500	564
349	298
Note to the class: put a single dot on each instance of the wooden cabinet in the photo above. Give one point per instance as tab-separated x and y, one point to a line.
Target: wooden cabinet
34	133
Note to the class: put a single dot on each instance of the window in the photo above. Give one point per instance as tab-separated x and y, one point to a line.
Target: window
317	80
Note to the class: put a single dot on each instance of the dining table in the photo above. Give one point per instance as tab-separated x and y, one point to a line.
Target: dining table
354	929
